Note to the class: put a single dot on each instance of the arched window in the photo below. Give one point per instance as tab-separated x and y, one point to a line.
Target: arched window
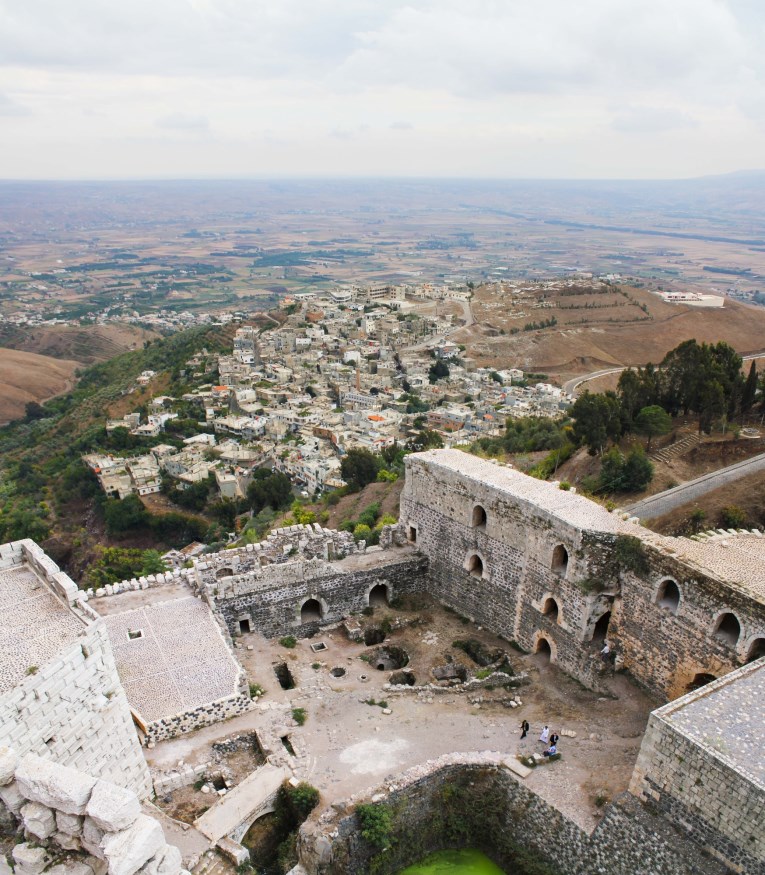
668	596
560	559
224	572
756	650
728	629
550	609
475	565
479	517
310	612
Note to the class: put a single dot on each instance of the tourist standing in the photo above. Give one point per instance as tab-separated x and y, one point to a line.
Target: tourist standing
545	735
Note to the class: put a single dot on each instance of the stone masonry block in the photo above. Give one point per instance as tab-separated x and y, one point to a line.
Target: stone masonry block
70	867
167	861
8	762
38	820
128	850
71	824
29	859
112	808
54	785
11	797
67	842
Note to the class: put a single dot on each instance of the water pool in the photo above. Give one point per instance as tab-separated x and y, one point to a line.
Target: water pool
465	862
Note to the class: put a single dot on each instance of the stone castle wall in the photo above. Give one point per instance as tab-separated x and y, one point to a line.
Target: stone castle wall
74	710
196	718
474	800
563	549
272	600
77	824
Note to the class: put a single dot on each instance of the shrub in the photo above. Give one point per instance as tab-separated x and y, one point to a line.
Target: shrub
256	690
288	641
299	716
376	823
733	517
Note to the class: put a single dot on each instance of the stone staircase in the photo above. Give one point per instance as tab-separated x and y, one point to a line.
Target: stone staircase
213	863
679	448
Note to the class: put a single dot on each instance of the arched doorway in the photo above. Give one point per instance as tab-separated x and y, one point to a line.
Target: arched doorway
543	651
224	572
756	650
601	627
378	595
311	611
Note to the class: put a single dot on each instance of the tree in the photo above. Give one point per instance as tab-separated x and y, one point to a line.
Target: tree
638	470
749	392
121	515
596	420
711	405
359	467
33	410
269	489
652	422
438	370
425	440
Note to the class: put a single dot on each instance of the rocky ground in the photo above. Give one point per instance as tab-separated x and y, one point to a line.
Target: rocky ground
348	744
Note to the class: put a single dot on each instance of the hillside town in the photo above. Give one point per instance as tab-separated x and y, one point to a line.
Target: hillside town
349	369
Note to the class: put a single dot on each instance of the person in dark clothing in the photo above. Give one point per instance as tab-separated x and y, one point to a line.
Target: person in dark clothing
524	728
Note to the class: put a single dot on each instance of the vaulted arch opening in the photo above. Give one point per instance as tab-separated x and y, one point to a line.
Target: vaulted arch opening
728	629
378	595
560	559
601	627
668	596
475	565
224	572
700	680
479	517
756	649
311	611
543	650
550	609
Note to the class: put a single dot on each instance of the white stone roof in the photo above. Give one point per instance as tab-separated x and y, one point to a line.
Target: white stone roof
180	662
726	717
571	508
35	625
736	559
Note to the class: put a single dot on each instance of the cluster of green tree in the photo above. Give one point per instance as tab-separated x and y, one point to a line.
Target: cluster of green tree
368	525
439	370
119	563
130	516
360	467
528	434
704	379
545	323
193	497
620	473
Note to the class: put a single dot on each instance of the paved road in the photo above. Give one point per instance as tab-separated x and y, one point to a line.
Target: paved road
570	386
664	502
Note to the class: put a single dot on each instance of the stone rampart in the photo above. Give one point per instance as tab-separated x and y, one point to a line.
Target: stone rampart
77	824
196	718
552	570
475	800
275	601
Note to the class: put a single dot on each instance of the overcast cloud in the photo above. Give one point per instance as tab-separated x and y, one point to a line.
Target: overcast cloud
596	88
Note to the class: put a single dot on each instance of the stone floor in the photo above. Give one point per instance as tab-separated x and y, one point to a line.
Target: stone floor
171	656
36	626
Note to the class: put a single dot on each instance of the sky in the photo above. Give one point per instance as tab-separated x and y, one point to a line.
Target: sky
334	88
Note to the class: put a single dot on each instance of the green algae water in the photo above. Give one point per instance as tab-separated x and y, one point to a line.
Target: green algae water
454	863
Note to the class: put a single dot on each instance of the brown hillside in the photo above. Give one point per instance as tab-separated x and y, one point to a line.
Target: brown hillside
86	344
26	376
617	332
